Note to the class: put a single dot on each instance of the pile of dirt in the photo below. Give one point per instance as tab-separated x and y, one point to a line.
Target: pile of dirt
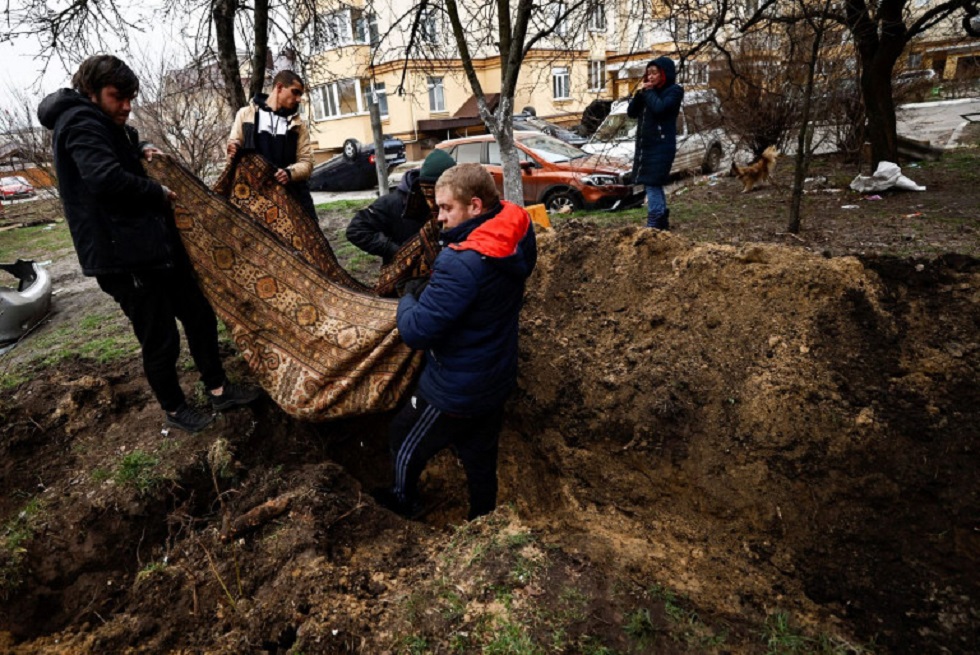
703	436
760	426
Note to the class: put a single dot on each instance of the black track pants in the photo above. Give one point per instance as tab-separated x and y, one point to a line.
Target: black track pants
153	302
420	431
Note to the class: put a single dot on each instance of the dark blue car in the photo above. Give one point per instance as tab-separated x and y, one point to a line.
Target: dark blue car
354	169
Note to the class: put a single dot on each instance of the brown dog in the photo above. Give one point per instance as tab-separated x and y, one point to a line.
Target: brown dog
758	171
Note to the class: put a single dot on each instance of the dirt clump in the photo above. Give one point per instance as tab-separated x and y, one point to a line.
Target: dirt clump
704	438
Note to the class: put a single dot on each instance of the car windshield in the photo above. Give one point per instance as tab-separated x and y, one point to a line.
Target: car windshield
616	127
551	149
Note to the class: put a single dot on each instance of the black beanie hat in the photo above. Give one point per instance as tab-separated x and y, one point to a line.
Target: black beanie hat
435	164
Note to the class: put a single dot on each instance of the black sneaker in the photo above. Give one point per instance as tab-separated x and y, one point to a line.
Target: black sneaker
188	419
233	395
411	510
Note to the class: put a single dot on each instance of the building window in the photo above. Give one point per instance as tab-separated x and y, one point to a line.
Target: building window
429	26
596	21
558	18
335	29
560	83
688	31
365	27
597	75
379	88
694	73
345	98
437	95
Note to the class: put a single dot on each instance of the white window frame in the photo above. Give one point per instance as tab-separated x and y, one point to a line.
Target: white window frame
326	99
379	88
437	94
596	20
429	26
688	31
365	22
597	75
695	73
561	83
558	10
338	29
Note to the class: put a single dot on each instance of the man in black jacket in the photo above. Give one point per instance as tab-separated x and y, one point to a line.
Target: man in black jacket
124	234
394	218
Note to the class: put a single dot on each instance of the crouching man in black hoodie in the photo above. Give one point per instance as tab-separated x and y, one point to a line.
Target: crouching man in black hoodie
122	226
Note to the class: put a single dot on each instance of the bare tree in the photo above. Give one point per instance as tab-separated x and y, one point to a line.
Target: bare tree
72	30
880	31
22	141
182	111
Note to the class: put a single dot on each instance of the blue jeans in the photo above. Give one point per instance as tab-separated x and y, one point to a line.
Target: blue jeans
656	207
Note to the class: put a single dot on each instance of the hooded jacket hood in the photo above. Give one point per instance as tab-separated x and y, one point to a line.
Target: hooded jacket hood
501	239
261	101
56	104
666	65
408	180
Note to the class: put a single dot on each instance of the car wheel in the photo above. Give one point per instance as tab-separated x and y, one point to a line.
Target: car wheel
351	148
562	201
713	161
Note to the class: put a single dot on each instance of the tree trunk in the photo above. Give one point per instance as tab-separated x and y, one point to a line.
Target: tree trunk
261	55
223	15
876	88
509	160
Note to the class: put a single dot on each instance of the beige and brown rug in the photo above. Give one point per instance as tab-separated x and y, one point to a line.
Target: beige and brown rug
319	342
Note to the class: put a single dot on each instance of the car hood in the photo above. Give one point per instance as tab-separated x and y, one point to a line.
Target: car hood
599	163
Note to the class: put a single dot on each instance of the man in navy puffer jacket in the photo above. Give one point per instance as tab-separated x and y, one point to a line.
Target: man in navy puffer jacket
466	320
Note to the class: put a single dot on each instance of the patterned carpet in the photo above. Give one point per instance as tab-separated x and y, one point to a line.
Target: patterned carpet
319	342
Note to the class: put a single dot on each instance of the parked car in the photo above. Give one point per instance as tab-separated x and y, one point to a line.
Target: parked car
914	85
354	169
699	134
27	305
16	186
554	173
525	123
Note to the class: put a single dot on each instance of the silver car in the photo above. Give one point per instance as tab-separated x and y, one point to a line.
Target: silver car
24	307
699	134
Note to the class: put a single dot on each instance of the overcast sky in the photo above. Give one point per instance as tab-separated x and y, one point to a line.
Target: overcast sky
21	69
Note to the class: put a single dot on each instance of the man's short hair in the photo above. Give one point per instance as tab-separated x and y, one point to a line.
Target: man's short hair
100	71
467	181
287	78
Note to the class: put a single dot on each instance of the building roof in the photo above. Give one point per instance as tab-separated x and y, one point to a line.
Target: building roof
467	116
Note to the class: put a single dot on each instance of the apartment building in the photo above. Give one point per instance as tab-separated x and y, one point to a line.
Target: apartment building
355	49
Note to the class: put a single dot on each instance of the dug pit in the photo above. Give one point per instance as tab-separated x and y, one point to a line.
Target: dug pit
754	427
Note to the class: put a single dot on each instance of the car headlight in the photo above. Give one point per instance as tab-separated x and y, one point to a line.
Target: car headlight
599	179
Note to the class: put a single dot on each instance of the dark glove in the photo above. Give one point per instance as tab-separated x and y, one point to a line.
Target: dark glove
414	286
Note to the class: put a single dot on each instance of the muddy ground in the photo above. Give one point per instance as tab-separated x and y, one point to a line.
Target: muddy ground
725	439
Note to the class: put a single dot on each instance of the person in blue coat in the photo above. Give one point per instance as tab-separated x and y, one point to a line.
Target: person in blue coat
656	105
465	318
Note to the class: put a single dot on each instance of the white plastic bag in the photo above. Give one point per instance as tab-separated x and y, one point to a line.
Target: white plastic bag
886	176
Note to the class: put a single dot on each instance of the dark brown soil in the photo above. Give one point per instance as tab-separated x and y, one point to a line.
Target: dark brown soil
706	438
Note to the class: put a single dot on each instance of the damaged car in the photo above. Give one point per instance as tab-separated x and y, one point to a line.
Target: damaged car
24	306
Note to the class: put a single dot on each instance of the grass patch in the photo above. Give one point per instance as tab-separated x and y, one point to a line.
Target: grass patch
344	205
102	338
357	262
12	380
511	639
781	638
150	570
138	469
39	242
14	537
